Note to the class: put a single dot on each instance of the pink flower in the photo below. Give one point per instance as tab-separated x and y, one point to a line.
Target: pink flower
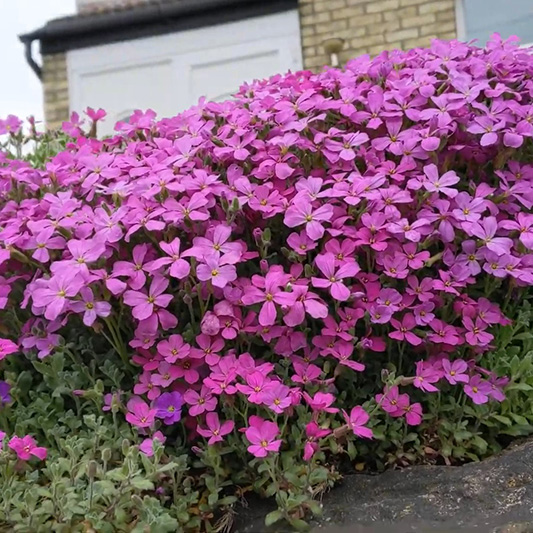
302	212
403	330
442	184
179	268
25	447
215	430
392	401
313	432
425	376
476	334
413	414
54	295
486	231
262	436
147	445
90	308
174	348
7	347
217	270
455	372
356	421
321	402
269	290
139	413
333	276
144	304
276	397
477	389
200	402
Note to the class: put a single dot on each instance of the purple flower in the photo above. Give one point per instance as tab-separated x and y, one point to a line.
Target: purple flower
4	392
168	407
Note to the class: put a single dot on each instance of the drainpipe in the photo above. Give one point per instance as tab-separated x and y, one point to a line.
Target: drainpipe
28	54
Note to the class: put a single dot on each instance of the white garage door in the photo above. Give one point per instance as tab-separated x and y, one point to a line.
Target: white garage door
171	72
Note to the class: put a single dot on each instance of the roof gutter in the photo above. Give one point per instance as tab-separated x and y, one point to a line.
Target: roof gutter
76	32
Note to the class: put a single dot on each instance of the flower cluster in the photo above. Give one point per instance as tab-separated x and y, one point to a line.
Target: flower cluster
271	252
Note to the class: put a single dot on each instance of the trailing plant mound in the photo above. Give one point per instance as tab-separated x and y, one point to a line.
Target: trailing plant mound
331	270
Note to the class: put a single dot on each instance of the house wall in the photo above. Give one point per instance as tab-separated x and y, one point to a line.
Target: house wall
367	26
55	89
371	26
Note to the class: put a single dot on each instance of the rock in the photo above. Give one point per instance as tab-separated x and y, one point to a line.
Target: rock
493	496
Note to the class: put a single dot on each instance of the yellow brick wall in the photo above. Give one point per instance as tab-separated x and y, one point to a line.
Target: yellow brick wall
371	26
55	89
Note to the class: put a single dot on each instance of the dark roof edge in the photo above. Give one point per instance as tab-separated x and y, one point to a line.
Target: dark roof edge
71	33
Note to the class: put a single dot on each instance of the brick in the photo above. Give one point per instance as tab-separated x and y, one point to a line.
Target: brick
386	27
419	21
449	35
400	13
434	7
305	31
316	18
312	40
444	16
346	12
437	28
404	3
378	6
334	27
328	5
419	42
375	39
401	35
306	9
365	20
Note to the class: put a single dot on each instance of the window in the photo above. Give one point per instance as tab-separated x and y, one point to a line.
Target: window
479	19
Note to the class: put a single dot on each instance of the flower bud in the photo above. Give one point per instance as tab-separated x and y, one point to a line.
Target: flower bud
210	324
106	454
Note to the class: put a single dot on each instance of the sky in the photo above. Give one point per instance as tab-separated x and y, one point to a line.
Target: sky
20	90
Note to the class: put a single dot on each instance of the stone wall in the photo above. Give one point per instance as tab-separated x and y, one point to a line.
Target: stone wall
371	26
55	89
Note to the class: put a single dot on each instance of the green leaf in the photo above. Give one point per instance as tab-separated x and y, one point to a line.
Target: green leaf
142	483
503	419
300	525
273	517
